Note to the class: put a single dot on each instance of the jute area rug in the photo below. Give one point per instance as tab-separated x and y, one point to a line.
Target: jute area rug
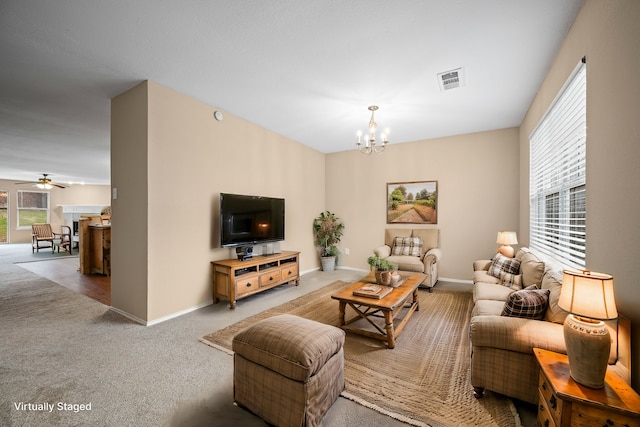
424	380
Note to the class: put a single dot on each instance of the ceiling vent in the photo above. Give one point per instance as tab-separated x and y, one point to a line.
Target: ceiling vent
451	79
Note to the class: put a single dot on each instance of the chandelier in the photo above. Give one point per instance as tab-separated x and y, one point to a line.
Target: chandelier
370	145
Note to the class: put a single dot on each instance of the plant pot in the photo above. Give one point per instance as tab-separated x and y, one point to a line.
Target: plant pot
383	277
328	263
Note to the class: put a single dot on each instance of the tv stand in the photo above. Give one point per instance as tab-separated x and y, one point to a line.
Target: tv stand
234	279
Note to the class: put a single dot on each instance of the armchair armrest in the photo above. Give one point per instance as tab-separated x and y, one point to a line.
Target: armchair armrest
432	256
382	251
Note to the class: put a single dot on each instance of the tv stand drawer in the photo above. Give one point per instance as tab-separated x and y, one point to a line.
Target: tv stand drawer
270	279
247	285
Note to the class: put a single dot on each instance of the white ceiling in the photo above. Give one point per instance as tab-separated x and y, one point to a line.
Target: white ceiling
305	69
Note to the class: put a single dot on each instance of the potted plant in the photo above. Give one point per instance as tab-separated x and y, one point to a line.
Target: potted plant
383	269
327	232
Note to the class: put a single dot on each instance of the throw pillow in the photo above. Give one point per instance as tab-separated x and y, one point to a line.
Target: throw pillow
528	303
407	246
502	263
513	281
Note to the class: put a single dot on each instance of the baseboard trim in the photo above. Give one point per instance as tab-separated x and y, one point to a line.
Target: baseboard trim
128	315
447	279
160	319
352	269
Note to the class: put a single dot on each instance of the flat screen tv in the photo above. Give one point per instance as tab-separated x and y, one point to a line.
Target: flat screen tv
250	220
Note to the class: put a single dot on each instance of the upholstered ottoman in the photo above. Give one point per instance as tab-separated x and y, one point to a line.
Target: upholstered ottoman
288	370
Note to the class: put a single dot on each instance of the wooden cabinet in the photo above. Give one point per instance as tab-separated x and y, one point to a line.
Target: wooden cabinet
100	249
234	279
563	402
95	248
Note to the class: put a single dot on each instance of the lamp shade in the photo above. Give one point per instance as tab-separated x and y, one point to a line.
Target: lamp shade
589	294
507	238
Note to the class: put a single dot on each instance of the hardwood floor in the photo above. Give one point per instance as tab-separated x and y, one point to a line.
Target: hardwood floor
65	272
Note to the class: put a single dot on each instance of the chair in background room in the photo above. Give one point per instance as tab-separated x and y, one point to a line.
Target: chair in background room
42	236
65	238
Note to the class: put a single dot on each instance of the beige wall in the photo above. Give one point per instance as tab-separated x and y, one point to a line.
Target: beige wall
607	33
184	160
86	195
129	228
477	178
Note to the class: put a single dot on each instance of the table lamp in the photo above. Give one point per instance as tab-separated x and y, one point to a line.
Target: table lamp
507	238
588	297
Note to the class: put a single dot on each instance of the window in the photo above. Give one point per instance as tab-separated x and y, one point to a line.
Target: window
33	207
557	176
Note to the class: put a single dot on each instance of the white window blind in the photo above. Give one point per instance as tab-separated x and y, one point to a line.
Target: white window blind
557	180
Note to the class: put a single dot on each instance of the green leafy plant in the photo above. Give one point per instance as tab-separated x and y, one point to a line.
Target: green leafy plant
327	232
381	264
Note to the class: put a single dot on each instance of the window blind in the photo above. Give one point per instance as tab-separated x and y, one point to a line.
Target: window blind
557	176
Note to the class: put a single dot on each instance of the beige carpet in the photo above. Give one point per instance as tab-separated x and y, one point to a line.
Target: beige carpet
424	380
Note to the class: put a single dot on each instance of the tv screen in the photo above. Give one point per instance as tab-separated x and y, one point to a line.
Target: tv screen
249	220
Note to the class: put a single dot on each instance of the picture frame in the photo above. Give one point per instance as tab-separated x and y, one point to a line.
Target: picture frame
414	202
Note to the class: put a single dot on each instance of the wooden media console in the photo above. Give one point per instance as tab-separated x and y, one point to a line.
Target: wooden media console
234	279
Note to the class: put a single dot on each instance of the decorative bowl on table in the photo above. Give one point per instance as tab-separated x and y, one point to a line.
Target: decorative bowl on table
395	279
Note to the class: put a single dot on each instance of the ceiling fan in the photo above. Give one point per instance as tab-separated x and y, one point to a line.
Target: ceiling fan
44	182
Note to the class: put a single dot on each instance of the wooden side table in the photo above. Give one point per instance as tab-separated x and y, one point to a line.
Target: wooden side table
563	402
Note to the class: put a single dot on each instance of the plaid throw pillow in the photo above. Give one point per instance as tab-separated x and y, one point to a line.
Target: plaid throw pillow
528	303
513	281
502	263
407	246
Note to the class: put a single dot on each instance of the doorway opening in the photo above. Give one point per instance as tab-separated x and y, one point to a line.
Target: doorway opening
4	216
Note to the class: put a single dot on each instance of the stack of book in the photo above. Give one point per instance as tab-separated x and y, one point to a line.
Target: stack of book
373	291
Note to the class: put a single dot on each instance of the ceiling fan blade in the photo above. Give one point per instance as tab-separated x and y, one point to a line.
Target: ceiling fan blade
45	180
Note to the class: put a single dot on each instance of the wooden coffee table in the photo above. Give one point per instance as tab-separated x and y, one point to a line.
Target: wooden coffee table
403	299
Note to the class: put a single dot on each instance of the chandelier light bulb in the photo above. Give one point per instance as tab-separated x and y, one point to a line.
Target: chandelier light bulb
370	145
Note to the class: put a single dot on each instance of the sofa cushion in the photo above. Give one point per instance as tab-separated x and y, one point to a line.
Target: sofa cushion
554	312
531	267
487	307
491	291
407	263
513	281
502	263
529	303
411	246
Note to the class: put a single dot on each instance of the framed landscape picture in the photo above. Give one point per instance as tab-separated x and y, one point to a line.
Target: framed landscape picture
412	202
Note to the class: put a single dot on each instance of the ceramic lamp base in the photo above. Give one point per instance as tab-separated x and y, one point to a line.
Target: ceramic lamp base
588	345
507	251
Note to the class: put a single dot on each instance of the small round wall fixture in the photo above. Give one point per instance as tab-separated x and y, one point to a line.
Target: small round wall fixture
218	116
